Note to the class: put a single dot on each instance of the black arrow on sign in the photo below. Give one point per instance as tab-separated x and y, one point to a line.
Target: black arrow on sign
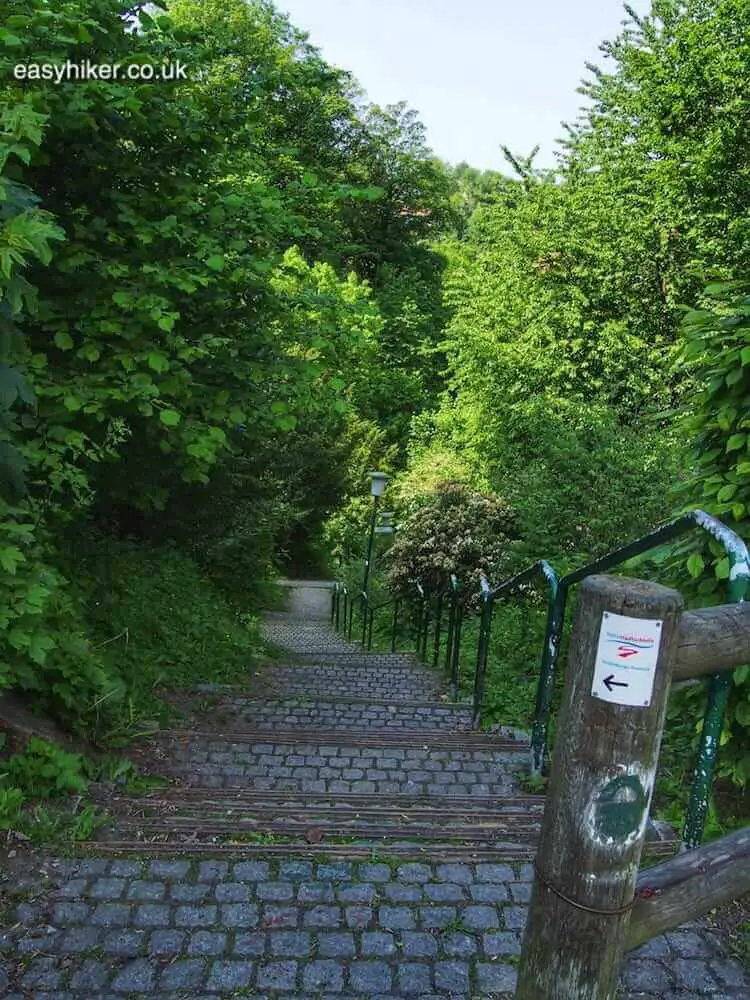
610	683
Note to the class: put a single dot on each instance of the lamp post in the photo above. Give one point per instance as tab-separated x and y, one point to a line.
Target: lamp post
377	486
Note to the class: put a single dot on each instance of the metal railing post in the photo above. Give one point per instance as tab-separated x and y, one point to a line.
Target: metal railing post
720	687
449	636
369	629
546	685
438	630
425	631
485	625
456	653
364	608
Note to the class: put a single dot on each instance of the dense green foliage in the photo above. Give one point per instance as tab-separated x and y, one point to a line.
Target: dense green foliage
579	335
187	341
223	299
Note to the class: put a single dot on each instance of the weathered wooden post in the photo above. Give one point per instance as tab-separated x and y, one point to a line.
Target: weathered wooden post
621	654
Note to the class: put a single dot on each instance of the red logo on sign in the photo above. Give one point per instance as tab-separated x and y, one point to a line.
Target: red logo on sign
625	651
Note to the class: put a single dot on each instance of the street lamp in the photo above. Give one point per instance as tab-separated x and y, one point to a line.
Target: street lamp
377	486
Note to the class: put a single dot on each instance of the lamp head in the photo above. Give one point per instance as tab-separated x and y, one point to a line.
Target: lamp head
377	483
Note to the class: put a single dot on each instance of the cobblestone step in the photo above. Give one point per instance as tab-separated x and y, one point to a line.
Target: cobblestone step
346	714
383	681
306	763
302	928
318	642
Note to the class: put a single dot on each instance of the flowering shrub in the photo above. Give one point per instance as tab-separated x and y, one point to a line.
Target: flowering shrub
451	530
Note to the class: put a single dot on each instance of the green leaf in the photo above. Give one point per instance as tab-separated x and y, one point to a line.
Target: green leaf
736	442
39	646
216	262
695	565
158	362
9	39
63	340
89	352
170	418
725	495
10	557
72	402
722	569
13	386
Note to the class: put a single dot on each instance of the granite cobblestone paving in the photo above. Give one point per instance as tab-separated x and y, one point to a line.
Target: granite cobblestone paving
303	929
353	681
309	767
347	715
109	928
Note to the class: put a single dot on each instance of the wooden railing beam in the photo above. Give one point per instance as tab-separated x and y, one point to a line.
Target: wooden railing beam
689	885
712	640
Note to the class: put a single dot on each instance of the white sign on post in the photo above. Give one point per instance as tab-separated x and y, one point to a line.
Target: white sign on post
626	660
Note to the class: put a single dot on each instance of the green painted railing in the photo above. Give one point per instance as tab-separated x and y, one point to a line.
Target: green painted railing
540	570
428	610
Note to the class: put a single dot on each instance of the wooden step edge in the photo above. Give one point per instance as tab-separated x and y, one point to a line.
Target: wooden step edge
333	699
438	851
464	833
336	737
395	802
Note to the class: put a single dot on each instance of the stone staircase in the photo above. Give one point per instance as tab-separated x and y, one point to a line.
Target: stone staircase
355	752
338	830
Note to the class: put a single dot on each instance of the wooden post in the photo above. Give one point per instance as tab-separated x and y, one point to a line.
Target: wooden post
600	790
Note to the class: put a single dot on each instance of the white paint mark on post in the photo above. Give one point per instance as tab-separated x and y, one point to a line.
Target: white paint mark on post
626	660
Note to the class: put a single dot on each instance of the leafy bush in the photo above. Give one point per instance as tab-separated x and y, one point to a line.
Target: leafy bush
43	770
717	350
453	530
161	621
581	482
39	773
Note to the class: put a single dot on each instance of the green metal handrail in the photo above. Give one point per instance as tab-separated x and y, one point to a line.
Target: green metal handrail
550	649
558	588
721	684
422	620
551	640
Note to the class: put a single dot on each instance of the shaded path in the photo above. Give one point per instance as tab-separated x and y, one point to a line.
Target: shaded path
335	831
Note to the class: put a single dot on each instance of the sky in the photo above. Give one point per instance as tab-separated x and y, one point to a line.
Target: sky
481	73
